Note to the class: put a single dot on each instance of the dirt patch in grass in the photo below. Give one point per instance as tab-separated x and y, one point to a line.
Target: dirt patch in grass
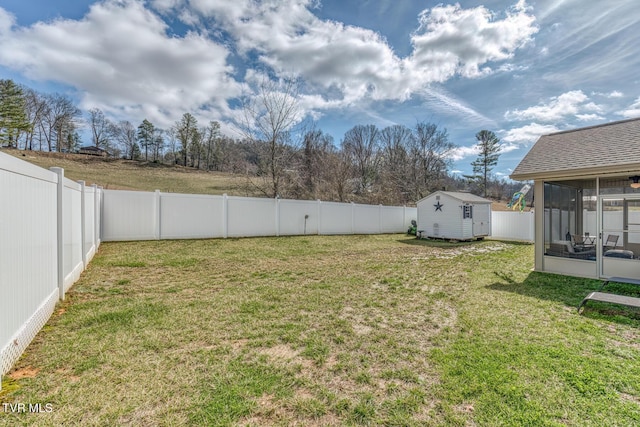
26	372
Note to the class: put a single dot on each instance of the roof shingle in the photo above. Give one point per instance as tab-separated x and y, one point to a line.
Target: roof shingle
613	145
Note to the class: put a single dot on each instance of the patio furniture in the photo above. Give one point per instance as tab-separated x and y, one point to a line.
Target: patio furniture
613	298
577	241
612	241
567	250
619	253
589	240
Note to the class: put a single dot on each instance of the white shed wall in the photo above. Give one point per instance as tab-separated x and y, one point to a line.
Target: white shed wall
449	219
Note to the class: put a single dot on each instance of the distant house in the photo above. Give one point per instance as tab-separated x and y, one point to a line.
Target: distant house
587	191
454	215
93	151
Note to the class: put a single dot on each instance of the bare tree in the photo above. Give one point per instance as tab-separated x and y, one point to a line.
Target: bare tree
158	143
101	128
395	142
210	143
268	118
361	144
125	134
186	131
36	107
172	142
59	120
316	166
430	158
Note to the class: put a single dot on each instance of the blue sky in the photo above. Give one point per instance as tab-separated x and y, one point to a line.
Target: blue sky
518	68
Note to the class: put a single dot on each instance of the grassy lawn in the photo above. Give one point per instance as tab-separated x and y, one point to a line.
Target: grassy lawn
328	330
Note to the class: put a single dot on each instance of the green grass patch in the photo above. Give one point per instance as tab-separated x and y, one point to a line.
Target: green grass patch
329	330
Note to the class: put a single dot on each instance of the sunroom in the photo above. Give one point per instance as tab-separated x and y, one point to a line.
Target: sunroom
587	200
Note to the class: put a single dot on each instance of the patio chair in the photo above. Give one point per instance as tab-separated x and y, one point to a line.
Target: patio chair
577	242
612	241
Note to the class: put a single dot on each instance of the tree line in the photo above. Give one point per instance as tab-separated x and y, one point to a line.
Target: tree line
279	153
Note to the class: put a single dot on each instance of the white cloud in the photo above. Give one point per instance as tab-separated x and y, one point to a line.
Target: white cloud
616	94
452	40
358	63
527	134
120	54
570	103
632	111
463	152
508	147
589	117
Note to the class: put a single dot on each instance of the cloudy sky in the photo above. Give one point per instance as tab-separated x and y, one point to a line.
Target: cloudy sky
518	68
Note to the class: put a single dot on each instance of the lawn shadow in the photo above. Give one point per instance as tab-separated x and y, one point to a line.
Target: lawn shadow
570	291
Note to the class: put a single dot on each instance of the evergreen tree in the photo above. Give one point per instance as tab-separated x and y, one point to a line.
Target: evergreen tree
146	137
13	114
489	151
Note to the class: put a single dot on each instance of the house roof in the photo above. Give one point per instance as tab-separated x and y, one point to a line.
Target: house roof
463	197
596	150
93	148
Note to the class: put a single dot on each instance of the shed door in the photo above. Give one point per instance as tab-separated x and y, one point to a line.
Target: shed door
481	220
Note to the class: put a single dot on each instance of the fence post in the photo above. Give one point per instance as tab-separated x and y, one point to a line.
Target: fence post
353	218
60	220
379	219
83	223
158	218
404	216
101	217
96	213
277	216
319	218
225	222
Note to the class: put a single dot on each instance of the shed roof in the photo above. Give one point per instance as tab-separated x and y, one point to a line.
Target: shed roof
603	149
463	197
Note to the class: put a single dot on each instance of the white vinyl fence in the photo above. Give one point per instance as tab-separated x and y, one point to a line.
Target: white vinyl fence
49	231
518	226
136	215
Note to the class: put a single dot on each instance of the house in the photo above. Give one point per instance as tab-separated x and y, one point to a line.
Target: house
454	215
93	151
587	190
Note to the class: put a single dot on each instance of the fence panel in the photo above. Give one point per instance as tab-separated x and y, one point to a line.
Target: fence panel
393	219
72	238
366	219
129	215
336	218
248	216
28	260
513	226
190	216
42	252
298	217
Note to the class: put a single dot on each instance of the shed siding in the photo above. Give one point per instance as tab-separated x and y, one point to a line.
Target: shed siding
449	220
481	220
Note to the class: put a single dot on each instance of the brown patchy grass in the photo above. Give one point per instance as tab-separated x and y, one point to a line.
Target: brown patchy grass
117	174
322	331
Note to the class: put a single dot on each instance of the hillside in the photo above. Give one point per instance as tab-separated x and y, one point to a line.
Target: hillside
118	174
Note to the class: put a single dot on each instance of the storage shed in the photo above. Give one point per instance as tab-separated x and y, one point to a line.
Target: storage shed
454	215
